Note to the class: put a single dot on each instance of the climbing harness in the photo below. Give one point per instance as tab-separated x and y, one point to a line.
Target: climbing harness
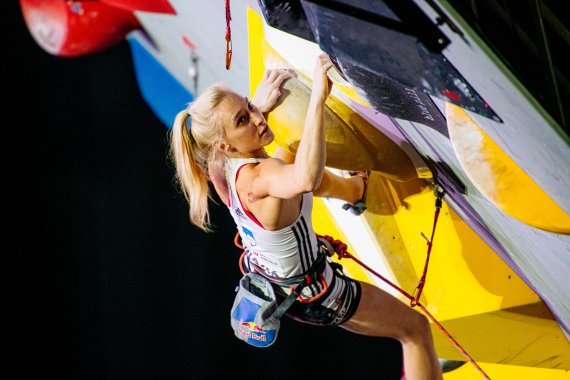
228	36
296	283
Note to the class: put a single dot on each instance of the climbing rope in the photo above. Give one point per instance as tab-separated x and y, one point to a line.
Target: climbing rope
228	36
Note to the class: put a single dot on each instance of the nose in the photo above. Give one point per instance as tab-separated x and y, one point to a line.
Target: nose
258	119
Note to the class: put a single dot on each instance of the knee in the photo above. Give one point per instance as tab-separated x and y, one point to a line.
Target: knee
418	329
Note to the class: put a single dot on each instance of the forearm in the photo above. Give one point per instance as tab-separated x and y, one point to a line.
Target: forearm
310	160
309	165
347	189
331	186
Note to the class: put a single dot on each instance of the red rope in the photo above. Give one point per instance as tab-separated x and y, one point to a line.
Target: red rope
228	36
236	241
243	254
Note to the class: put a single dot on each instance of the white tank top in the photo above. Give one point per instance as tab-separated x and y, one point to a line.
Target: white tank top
284	253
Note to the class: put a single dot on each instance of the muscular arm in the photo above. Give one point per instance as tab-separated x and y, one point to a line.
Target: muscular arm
277	179
311	155
331	185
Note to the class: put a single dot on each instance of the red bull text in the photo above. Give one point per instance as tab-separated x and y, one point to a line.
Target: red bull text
250	330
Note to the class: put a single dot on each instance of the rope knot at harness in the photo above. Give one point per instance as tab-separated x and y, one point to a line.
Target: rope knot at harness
337	246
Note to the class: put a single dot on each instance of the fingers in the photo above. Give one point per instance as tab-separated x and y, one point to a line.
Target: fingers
269	89
274	81
322	85
272	75
324	61
324	57
277	76
275	94
282	77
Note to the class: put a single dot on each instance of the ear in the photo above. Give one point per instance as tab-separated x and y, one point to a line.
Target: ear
224	147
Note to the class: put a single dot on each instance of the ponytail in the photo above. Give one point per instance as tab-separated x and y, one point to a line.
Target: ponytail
190	172
192	151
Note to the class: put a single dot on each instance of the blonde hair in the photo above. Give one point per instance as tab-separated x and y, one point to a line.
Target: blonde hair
192	150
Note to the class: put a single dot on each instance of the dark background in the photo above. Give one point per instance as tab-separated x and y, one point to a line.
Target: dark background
111	279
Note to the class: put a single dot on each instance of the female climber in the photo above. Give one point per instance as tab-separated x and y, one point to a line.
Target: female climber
271	198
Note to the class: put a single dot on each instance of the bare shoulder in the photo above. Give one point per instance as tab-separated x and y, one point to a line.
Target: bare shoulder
249	172
255	175
270	163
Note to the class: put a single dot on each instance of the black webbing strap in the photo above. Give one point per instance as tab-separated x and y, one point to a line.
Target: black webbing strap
301	281
288	301
314	270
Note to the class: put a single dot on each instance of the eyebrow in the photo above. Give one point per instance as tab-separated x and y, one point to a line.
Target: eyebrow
234	119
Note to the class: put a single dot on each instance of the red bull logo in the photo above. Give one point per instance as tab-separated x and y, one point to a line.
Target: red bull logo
251	330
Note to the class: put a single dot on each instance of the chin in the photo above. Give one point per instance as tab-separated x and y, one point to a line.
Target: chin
269	137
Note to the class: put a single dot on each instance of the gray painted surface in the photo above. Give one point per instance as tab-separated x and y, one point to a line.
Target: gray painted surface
528	135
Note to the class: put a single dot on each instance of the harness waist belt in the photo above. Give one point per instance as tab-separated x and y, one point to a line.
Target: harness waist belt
316	268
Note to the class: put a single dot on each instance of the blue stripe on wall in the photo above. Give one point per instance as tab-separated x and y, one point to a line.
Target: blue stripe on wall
162	92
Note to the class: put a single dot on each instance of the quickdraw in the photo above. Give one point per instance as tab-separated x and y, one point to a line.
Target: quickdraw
228	36
421	283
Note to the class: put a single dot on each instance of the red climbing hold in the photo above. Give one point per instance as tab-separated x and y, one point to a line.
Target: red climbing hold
451	95
74	28
153	6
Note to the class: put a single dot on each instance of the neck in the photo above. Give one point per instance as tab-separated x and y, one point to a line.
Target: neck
260	153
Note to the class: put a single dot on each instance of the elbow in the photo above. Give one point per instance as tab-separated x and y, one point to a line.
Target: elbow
306	180
306	188
316	185
309	185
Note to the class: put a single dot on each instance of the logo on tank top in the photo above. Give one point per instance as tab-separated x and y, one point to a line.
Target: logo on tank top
239	213
249	236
